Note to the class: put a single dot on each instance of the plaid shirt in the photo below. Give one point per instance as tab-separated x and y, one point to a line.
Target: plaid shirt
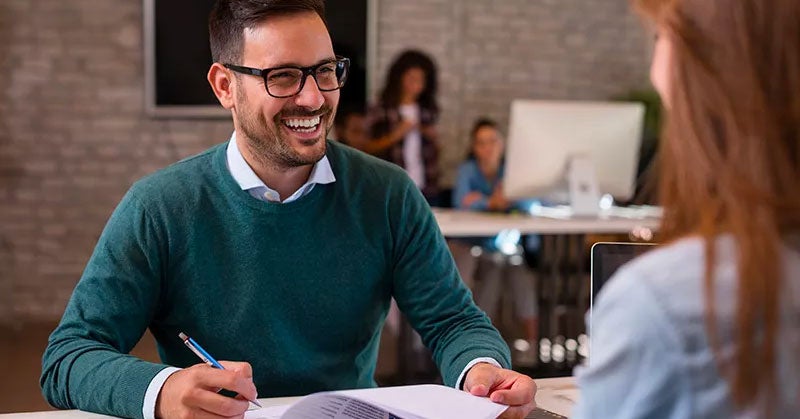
383	120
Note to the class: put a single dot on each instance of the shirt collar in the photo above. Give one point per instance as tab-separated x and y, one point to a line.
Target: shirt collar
321	173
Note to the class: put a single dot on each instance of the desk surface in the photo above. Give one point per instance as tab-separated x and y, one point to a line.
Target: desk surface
454	223
550	396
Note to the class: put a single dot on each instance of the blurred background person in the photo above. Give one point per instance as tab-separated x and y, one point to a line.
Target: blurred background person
402	125
350	127
500	265
708	325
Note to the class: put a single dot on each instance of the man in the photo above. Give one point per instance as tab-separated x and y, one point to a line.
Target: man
350	127
277	248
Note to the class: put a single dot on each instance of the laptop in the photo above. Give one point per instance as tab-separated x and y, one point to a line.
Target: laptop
606	259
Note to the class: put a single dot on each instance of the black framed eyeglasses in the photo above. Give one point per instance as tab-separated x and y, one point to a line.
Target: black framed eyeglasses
283	82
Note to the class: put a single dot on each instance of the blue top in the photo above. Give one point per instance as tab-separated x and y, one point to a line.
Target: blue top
471	179
650	356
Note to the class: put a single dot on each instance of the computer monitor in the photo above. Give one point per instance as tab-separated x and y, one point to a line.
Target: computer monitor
573	151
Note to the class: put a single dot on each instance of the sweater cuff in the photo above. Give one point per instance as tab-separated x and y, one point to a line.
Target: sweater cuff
151	395
460	381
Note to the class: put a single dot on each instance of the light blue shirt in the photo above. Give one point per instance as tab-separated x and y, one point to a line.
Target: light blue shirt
650	356
247	179
471	179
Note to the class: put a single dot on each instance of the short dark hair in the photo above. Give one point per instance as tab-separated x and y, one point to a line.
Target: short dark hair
229	19
345	111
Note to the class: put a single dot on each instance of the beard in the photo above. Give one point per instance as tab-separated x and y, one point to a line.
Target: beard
271	145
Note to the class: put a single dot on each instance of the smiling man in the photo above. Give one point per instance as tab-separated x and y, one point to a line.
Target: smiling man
277	250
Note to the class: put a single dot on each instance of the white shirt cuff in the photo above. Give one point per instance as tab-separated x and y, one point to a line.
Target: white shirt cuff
460	383
151	395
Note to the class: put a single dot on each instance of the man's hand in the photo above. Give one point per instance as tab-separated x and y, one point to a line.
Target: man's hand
502	386
192	392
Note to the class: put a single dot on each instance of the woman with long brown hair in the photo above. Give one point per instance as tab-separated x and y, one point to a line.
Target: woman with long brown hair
403	123
708	325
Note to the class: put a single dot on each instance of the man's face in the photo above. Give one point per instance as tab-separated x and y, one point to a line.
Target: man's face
288	132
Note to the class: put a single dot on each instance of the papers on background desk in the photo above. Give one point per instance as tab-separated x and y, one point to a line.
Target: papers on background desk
633	212
427	401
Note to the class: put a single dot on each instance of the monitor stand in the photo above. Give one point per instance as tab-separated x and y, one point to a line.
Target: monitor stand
575	195
584	193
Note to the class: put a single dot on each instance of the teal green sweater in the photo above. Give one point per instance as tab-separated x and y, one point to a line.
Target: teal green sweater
299	290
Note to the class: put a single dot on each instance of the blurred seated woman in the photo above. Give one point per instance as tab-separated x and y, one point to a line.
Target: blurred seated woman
500	263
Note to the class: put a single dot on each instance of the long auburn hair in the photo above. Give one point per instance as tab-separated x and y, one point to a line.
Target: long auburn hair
730	158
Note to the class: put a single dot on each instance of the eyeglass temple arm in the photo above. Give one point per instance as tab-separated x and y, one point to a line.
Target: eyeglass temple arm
245	70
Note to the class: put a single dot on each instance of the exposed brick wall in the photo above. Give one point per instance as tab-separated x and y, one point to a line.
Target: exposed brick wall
74	136
490	52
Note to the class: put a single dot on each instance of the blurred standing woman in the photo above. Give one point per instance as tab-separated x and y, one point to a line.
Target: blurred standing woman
708	325
403	123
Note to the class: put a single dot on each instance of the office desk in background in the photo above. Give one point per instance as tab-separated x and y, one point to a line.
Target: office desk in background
562	263
458	223
554	394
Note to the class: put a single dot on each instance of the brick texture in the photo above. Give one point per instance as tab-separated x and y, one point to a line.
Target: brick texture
491	52
74	135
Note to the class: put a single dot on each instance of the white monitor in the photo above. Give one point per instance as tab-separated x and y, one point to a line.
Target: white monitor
551	142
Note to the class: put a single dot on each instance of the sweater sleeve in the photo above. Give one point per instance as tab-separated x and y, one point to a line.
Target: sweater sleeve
86	363
430	292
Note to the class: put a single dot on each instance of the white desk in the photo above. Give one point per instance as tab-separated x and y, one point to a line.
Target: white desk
557	395
455	223
549	397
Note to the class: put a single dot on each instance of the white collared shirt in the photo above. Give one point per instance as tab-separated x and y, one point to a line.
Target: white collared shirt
247	179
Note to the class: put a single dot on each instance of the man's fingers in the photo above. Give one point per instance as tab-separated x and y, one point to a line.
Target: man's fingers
521	392
243	367
236	381
214	404
480	379
479	390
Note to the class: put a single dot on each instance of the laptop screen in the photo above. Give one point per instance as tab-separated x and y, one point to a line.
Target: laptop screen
606	259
